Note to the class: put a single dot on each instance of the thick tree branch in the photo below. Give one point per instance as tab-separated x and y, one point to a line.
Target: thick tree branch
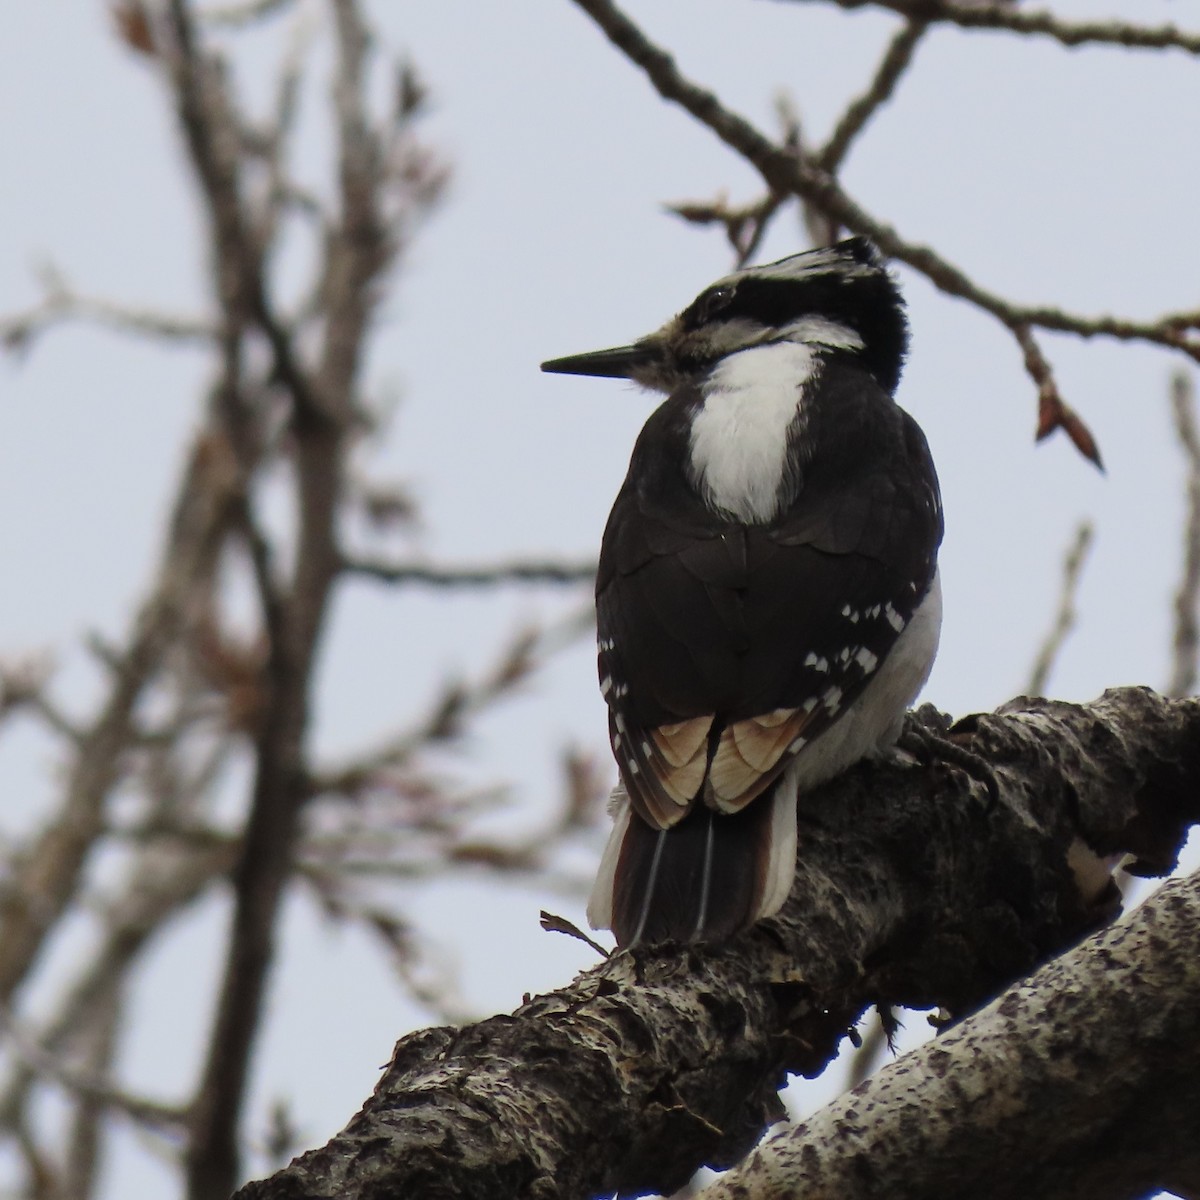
1082	1082
911	889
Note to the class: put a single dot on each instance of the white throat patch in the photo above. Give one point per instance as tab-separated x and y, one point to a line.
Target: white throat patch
739	438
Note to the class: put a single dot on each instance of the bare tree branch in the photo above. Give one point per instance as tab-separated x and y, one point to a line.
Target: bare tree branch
60	304
84	1084
1082	1082
1186	644
472	576
47	877
970	14
896	60
912	889
783	171
445	715
239	15
1065	616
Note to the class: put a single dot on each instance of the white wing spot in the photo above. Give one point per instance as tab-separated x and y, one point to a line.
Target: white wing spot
817	664
832	699
866	659
809	704
634	769
606	685
894	619
647	749
620	723
798	744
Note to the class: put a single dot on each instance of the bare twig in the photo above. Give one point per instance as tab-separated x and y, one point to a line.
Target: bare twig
240	15
472	576
60	304
895	62
869	1054
453	705
552	923
1065	616
969	14
1186	642
785	171
146	1112
48	874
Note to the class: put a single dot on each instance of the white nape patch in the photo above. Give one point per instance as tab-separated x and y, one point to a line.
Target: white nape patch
739	438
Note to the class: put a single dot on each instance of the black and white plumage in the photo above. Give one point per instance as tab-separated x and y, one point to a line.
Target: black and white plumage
767	601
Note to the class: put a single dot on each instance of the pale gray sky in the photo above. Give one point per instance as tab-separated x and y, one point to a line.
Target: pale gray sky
1049	175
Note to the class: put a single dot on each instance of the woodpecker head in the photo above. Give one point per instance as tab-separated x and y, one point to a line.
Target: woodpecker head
839	299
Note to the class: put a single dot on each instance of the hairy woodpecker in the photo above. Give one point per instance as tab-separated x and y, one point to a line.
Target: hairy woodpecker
767	600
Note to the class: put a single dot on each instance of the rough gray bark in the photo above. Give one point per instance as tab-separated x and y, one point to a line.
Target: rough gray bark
1081	1082
912	888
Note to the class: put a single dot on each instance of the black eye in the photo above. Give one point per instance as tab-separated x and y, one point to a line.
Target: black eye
707	305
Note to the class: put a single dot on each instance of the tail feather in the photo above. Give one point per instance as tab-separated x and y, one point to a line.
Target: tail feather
704	880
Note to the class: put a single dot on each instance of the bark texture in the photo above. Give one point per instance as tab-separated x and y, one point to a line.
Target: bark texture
1081	1082
912	887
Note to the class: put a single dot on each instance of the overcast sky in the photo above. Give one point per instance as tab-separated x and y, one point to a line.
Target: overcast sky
1065	177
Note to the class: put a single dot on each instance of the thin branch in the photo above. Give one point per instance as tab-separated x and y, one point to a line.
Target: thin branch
895	62
490	575
48	872
60	304
784	171
238	16
869	1054
1065	616
971	15
82	1083
451	707
1186	642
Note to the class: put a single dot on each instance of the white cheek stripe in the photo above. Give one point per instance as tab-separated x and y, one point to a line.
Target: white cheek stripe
739	437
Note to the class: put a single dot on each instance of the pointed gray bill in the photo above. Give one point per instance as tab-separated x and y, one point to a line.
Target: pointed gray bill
618	363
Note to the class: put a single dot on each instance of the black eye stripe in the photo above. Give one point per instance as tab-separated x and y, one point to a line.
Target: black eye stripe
707	305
